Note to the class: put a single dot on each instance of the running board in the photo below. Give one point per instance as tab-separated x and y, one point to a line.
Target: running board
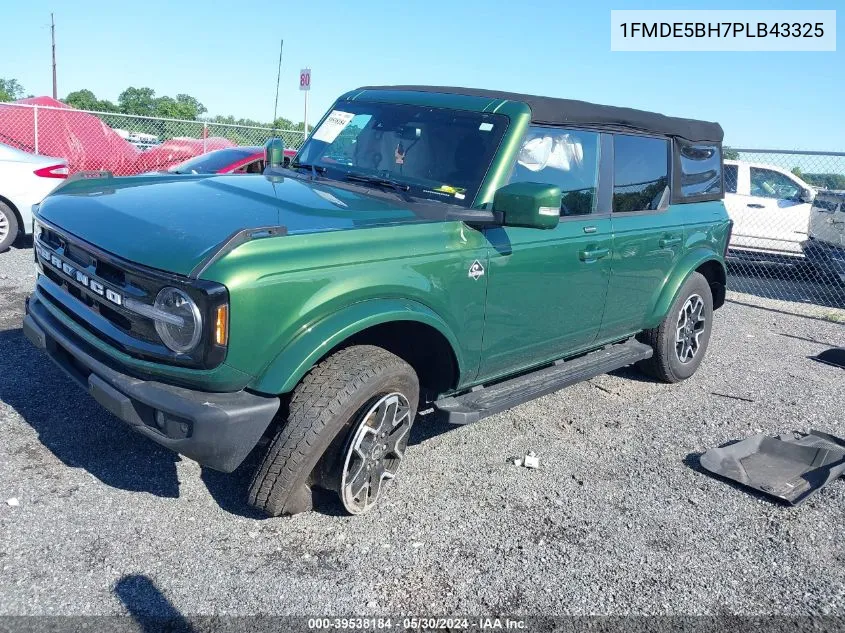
481	402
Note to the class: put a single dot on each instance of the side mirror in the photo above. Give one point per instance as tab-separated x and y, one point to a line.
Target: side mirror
529	204
807	195
274	152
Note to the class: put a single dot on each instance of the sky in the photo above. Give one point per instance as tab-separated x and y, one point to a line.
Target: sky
226	55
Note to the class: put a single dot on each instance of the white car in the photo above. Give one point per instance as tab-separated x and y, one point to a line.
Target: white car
770	208
24	181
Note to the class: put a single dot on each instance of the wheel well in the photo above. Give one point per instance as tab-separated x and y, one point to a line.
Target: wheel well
421	346
8	203
716	276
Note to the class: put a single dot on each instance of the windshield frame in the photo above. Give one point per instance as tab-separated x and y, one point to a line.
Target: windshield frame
418	188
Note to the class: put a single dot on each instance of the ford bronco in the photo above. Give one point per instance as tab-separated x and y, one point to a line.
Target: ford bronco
458	249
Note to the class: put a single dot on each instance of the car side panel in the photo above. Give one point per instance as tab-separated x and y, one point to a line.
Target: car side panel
283	288
706	236
646	249
20	186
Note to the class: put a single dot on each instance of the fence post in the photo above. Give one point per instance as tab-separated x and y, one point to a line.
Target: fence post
204	137
35	119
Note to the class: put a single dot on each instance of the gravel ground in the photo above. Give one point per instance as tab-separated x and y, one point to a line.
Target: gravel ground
617	520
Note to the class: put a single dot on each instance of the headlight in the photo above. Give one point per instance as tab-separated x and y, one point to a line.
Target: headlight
182	333
36	228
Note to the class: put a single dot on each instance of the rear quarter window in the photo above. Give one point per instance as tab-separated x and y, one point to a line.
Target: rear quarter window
701	170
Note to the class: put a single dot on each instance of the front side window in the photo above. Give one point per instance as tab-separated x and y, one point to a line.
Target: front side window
255	167
731	177
641	172
433	153
766	183
568	159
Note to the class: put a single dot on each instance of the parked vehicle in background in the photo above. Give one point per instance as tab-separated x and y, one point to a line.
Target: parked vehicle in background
24	181
141	140
231	160
460	249
825	246
770	208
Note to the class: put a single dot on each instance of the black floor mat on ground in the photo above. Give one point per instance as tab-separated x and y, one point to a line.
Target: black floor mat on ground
834	356
789	467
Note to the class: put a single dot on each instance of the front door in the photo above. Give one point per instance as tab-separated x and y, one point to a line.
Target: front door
780	216
546	288
766	207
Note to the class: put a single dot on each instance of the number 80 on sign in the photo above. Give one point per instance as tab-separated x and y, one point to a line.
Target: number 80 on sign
305	79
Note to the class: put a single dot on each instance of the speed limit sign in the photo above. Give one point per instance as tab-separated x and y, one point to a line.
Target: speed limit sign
305	79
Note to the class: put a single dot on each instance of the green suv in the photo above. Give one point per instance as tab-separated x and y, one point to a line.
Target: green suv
453	249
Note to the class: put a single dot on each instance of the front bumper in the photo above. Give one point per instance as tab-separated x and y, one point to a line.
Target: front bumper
217	430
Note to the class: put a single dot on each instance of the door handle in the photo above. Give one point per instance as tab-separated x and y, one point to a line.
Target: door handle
754	205
669	240
592	254
590	229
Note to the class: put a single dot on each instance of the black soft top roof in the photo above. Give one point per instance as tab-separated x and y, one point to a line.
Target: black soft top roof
571	112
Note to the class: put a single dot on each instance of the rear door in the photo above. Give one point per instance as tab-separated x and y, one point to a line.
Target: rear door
648	235
547	288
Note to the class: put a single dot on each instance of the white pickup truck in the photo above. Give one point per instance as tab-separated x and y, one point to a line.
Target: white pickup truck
770	208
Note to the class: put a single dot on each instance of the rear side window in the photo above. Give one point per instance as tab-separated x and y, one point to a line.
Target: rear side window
701	169
640	172
731	176
566	158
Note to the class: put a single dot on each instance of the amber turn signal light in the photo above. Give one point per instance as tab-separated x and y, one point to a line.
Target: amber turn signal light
221	325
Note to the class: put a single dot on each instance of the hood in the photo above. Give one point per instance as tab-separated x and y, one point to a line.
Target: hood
173	222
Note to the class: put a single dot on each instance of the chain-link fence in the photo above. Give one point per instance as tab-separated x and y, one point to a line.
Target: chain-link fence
788	207
788	240
120	143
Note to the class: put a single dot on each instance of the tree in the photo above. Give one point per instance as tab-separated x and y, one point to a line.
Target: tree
10	89
86	100
191	106
140	101
825	181
729	153
182	107
797	171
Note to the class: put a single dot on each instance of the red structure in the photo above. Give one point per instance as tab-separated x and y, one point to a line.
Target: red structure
86	142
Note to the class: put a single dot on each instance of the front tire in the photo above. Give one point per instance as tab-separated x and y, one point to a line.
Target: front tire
681	339
8	226
355	396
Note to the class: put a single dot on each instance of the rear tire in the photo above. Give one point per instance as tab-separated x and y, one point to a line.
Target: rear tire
681	339
326	416
8	226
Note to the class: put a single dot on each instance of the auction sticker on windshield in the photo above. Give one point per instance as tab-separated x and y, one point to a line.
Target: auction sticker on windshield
332	126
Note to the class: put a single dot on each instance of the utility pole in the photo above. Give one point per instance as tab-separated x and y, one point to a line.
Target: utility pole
53	36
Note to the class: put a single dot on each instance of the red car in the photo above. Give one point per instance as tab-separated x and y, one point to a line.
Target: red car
231	160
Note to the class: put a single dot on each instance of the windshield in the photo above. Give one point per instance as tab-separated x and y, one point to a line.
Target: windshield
434	153
212	162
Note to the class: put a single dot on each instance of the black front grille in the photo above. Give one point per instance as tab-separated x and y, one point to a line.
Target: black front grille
109	276
92	287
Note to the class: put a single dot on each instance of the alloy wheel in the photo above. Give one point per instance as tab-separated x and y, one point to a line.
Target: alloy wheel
4	226
375	452
691	325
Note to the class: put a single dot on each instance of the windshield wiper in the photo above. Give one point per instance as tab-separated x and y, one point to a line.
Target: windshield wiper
400	187
315	169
